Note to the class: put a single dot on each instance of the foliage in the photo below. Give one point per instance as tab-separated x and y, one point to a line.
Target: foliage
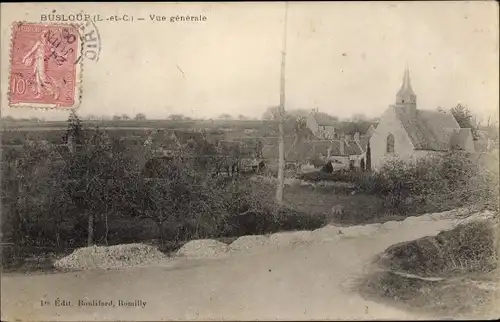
52	195
446	269
340	176
140	117
74	130
271	113
176	117
464	118
434	183
225	116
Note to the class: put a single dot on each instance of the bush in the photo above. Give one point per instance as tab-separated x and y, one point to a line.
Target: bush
467	247
442	274
97	194
434	183
340	176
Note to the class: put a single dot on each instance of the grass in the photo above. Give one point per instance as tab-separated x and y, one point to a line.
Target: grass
464	296
31	259
463	263
318	201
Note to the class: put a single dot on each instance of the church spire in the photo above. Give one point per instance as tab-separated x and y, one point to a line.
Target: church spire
405	95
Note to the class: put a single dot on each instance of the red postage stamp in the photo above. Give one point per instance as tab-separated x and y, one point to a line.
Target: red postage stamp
45	72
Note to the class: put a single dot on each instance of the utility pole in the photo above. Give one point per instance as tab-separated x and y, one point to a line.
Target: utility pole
281	114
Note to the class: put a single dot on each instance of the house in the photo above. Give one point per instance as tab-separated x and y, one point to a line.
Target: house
321	125
408	133
348	152
348	130
270	150
316	153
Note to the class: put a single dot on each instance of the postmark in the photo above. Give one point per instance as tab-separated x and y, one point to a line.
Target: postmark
91	41
45	71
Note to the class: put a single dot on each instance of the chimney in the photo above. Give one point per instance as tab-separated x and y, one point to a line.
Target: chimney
342	143
356	136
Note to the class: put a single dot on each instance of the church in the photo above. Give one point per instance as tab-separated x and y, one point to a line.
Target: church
408	133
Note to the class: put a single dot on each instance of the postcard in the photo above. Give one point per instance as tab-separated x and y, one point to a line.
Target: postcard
249	161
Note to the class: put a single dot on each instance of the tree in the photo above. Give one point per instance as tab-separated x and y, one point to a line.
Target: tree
74	134
180	196
225	116
242	117
98	176
464	118
117	117
359	117
140	117
176	117
125	117
271	113
8	118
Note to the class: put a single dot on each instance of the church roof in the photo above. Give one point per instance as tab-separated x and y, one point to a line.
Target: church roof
428	130
351	128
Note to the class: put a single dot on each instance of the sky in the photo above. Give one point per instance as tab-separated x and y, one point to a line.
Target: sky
342	58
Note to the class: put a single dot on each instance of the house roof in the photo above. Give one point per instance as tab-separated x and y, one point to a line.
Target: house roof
323	119
311	150
320	147
428	130
351	147
270	148
350	128
363	142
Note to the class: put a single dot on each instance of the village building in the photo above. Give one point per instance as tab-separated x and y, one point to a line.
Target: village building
408	133
351	130
314	154
321	125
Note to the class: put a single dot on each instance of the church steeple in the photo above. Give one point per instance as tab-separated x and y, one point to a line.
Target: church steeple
405	95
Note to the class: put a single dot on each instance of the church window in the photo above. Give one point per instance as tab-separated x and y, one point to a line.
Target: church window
390	144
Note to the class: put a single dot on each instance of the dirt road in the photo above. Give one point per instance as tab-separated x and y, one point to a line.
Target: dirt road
311	281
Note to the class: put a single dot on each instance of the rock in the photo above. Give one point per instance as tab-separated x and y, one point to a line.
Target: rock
290	239
391	224
365	230
249	243
203	248
413	219
327	233
486	215
110	257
